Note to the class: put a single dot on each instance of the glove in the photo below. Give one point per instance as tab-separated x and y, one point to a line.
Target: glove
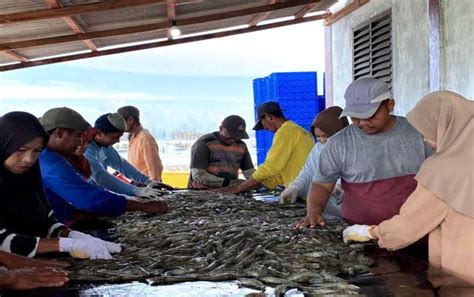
359	233
147	192
110	246
84	248
289	195
160	186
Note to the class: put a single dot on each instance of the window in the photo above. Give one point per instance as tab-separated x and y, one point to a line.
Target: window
372	49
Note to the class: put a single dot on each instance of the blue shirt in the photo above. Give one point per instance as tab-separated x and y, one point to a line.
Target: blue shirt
67	190
101	157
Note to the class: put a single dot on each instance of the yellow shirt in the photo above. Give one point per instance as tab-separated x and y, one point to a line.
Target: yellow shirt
290	148
143	154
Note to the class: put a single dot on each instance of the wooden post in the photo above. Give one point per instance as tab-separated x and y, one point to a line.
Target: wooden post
328	74
434	43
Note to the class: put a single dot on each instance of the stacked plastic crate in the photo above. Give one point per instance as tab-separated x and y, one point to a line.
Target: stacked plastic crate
297	94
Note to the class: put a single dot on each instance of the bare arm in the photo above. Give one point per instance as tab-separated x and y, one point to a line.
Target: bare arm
250	183
150	207
48	245
318	197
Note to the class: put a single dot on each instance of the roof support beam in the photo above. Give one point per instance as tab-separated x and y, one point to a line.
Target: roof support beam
76	28
244	12
59	12
161	43
306	9
354	5
15	56
171	11
261	16
151	27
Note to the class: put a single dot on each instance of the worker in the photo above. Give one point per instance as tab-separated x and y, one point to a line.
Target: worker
376	158
66	188
217	157
325	124
290	148
101	155
442	204
28	226
143	151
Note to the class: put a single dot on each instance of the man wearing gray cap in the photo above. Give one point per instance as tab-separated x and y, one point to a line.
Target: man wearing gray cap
65	188
217	157
290	148
376	157
143	151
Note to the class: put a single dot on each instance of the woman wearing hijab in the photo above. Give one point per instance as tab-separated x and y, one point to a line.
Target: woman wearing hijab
27	223
325	124
442	204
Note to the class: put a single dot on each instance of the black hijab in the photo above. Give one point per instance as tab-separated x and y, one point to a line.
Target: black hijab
23	205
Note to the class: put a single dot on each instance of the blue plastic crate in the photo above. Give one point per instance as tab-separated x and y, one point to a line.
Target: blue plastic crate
297	94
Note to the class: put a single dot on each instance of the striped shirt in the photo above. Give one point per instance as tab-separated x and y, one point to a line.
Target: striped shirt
20	234
219	159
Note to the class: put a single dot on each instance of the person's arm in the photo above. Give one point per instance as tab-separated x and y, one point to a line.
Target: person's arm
55	228
150	207
121	165
102	177
199	162
248	184
64	181
151	156
18	244
328	171
32	278
422	209
13	261
203	177
316	201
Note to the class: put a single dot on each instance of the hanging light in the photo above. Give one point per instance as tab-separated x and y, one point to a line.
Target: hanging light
174	31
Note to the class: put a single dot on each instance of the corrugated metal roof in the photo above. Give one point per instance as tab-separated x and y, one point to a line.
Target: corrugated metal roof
39	29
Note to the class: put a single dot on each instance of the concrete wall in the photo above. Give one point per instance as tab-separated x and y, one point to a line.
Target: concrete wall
410	48
457	46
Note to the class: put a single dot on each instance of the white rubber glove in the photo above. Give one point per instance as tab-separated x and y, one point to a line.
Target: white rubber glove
111	247
289	195
359	233
84	248
147	192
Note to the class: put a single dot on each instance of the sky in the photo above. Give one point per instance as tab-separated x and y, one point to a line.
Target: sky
190	86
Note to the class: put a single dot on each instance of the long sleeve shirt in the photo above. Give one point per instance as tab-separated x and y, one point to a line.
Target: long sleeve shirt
451	234
101	157
303	181
13	240
290	148
143	153
67	190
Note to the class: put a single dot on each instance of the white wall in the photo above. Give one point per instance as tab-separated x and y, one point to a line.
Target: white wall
410	48
457	46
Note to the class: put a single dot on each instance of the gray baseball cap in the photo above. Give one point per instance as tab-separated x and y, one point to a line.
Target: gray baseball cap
235	125
264	108
63	117
363	97
129	111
